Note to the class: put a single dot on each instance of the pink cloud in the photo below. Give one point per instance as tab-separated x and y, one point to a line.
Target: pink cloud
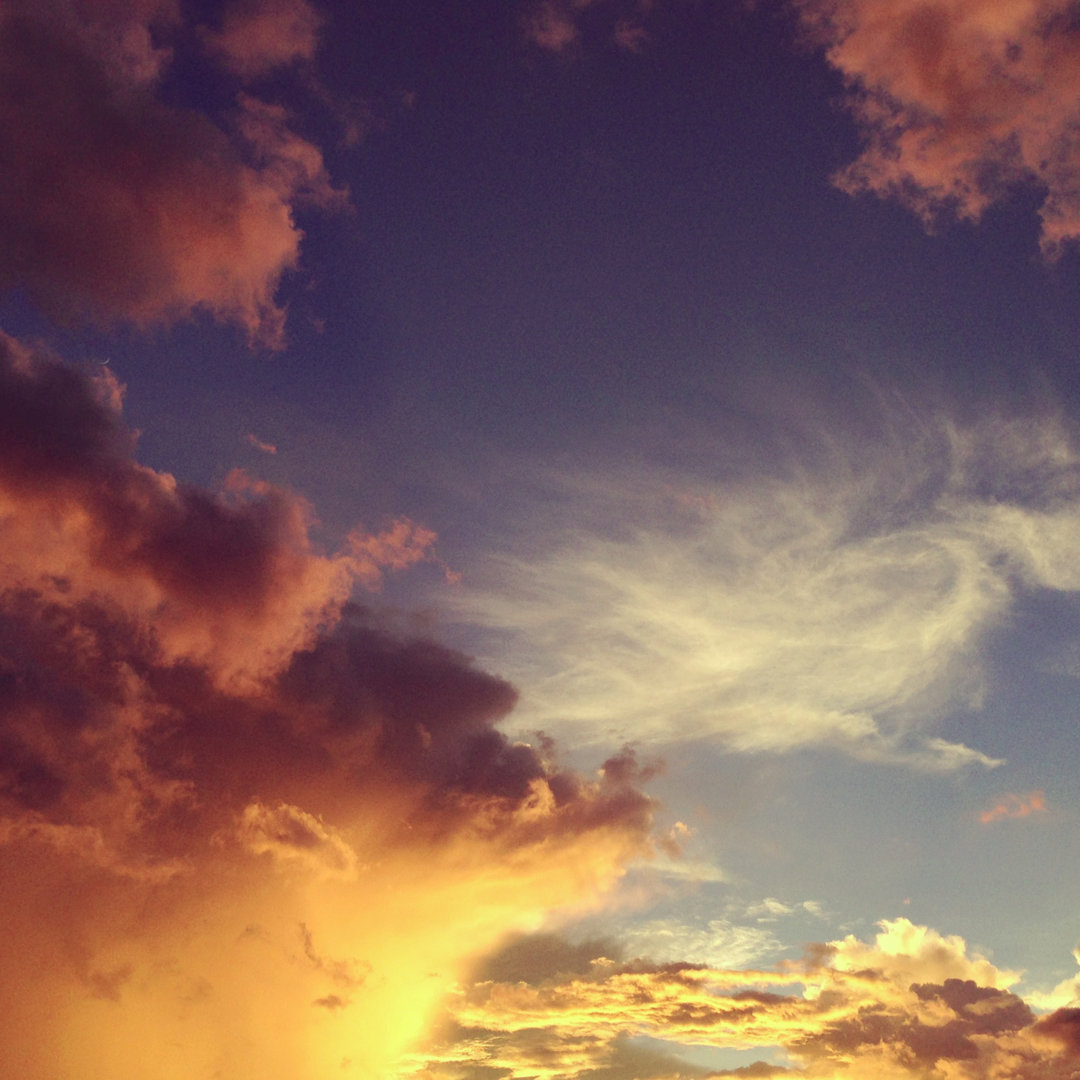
630	36
551	25
255	441
257	36
960	101
230	581
116	206
1010	805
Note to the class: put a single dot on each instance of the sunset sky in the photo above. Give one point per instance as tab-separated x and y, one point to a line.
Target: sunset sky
539	539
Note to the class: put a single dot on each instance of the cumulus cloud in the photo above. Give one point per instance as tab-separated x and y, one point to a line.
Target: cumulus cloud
839	597
246	829
231	582
117	206
910	1005
960	101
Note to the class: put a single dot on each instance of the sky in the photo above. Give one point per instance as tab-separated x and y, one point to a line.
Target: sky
539	539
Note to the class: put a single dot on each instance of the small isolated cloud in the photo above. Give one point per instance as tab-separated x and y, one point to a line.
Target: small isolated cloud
551	25
630	36
150	211
910	1005
959	102
258	444
1011	805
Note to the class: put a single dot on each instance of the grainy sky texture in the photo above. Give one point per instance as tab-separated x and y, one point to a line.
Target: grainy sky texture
539	540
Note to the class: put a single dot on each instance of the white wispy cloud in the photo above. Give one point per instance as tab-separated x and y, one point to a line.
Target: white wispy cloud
840	599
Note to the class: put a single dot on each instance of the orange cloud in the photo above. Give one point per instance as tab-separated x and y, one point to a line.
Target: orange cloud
959	101
246	829
911	1005
150	211
1015	806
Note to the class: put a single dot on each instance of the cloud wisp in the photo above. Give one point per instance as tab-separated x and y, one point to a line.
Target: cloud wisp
839	598
247	829
1011	805
910	1005
960	101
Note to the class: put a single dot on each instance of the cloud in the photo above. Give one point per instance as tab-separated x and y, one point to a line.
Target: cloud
719	943
247	828
838	596
117	206
257	36
959	102
1065	995
552	26
1015	806
555	25
230	582
258	444
911	1005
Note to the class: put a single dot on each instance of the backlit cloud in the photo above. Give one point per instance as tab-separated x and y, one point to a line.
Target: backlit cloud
960	101
116	206
247	829
838	598
910	1005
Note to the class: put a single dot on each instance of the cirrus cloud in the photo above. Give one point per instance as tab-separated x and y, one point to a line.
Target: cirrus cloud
839	598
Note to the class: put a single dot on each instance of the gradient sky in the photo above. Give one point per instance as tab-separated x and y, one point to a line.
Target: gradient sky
539	539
